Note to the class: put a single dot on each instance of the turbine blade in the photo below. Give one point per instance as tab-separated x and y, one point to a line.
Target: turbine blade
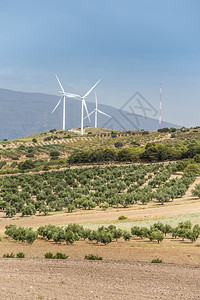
69	95
59	83
84	103
91	89
57	104
101	112
89	114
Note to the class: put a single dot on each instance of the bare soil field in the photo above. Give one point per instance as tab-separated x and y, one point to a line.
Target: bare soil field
74	280
136	250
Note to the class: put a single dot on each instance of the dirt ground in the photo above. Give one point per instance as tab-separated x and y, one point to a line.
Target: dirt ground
171	251
73	280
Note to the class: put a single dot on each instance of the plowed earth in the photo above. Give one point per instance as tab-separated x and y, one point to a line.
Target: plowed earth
73	280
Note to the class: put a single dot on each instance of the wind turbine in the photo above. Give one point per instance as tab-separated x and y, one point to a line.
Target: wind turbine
64	94
83	104
96	110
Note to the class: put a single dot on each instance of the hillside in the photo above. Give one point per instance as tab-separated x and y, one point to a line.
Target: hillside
44	147
131	215
23	114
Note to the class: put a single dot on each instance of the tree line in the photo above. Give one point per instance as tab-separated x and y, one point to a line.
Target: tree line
152	152
105	235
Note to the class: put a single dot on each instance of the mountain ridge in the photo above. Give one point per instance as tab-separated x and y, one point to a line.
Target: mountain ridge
23	114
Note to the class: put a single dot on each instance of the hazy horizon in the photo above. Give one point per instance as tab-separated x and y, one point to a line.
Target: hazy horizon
132	46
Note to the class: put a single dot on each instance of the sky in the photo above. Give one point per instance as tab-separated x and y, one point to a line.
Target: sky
132	45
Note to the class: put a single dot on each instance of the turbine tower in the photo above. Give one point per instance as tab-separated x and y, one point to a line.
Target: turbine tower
83	104
96	110
64	94
160	115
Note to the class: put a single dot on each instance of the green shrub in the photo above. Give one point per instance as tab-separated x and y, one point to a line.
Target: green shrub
122	218
20	255
30	155
49	255
118	145
145	132
157	261
60	255
54	153
93	257
2	164
27	164
7	255
195	168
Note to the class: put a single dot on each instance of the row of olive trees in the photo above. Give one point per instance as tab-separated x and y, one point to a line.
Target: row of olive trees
69	234
21	233
158	230
104	235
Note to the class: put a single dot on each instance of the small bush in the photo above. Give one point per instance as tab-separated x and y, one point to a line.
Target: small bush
93	257
192	168
122	218
7	255
60	255
118	145
54	153
30	155
157	261
48	255
20	255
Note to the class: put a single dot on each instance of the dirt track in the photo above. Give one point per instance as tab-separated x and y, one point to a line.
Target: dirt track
101	216
73	280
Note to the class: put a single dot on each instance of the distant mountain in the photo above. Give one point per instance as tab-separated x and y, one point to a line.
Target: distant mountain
23	114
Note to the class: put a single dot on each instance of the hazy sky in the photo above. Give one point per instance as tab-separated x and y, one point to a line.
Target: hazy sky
132	45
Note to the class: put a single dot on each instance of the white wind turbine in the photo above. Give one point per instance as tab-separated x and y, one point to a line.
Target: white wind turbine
64	94
96	110
83	104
